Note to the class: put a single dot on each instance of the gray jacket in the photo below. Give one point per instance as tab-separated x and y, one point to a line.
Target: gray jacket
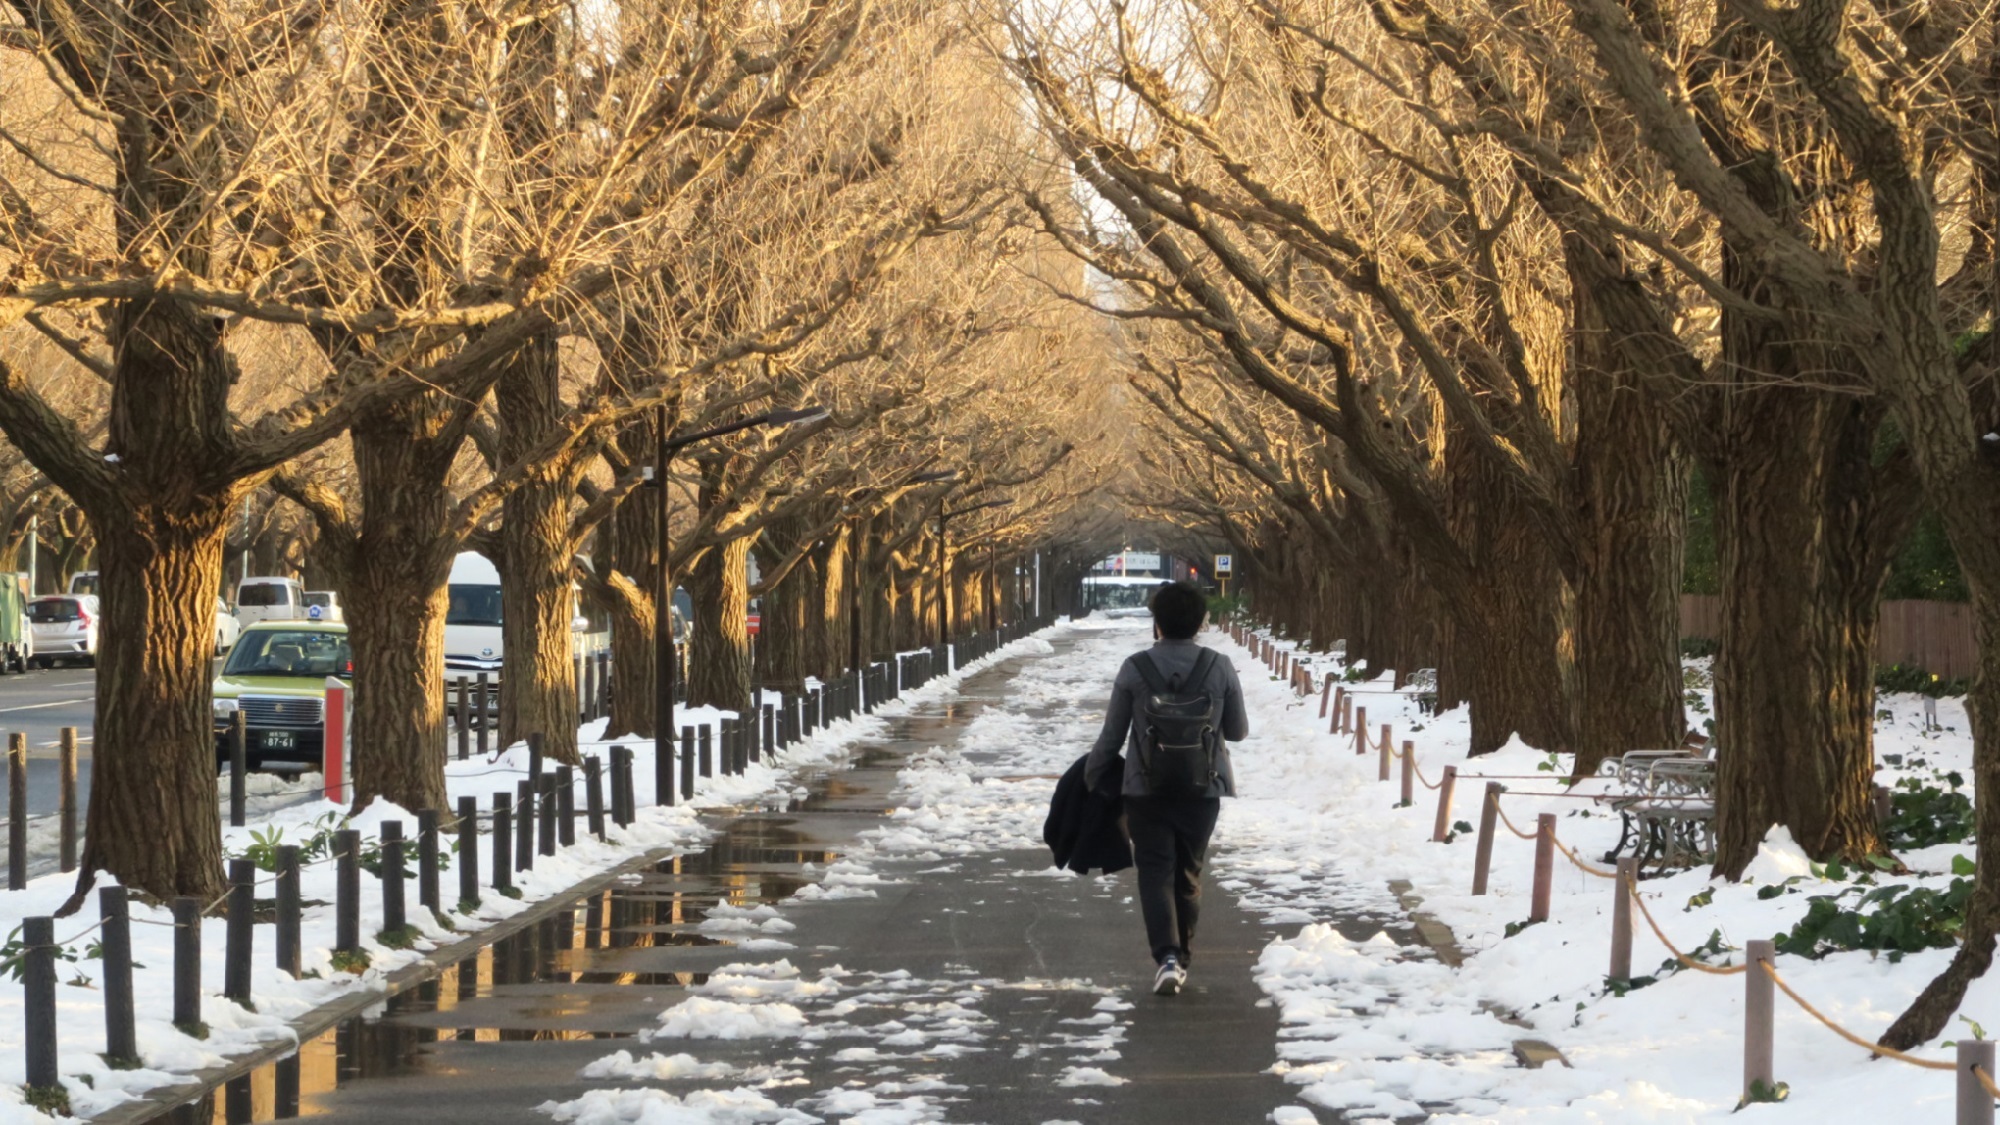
1173	658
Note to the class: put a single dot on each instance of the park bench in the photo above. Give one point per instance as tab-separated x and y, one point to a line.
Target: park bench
1666	800
1423	685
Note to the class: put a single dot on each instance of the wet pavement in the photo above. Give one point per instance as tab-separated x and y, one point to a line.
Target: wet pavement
973	991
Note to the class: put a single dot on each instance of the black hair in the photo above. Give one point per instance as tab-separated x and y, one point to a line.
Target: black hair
1178	609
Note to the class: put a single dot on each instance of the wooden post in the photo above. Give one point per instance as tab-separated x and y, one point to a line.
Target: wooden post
1758	1011
483	703
593	794
1621	918
1545	867
347	891
427	860
566	806
1884	806
1975	1105
121	1030
1388	751
1482	859
239	765
66	779
707	750
468	852
291	910
238	932
38	979
621	801
187	962
394	916
17	811
1445	785
1409	773
1347	714
771	727
503	847
1336	726
687	763
1360	731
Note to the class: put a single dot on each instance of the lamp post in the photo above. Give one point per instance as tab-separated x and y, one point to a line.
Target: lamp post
663	585
854	653
944	564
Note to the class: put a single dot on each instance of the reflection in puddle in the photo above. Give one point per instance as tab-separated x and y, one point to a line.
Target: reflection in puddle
545	982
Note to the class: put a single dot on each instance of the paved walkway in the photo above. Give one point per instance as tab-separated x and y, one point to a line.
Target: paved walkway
979	990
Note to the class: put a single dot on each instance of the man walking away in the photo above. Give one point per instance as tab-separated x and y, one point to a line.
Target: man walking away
1172	707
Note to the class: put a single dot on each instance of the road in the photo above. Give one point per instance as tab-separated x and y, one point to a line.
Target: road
41	704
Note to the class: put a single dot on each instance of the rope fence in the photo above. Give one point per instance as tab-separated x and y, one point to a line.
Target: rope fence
1977	1090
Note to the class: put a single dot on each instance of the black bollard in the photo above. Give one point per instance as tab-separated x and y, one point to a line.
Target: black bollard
483	704
687	763
503	830
468	853
427	859
524	825
394	918
187	964
545	792
464	721
347	891
38	979
593	794
121	1031
238	932
239	766
707	750
291	909
565	784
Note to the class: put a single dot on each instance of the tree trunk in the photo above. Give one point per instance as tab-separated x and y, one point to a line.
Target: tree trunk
1631	487
633	556
1511	635
155	822
396	568
538	692
719	580
1801	574
835	572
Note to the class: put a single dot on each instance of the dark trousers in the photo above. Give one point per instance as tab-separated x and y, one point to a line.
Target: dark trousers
1169	843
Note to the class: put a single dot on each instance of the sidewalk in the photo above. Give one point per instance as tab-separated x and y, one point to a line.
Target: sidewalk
886	951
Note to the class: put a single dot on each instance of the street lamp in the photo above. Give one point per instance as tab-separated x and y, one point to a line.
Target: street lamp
944	564
854	583
663	587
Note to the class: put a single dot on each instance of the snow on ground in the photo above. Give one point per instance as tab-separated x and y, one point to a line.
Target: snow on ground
1383	1032
288	812
1380	1031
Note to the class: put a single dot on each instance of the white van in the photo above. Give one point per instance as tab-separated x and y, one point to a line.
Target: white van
327	605
269	599
83	582
472	618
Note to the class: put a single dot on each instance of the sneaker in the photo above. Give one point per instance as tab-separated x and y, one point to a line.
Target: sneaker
1169	979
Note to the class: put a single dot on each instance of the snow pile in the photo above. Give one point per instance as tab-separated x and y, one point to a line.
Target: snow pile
1381	1031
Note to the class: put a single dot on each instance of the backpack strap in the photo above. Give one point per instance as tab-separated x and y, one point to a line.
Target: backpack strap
1150	672
1202	664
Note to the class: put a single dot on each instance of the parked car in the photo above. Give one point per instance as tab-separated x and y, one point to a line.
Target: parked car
83	582
276	675
64	628
269	599
327	602
226	628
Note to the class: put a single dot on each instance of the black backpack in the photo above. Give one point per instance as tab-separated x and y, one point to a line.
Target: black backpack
1177	725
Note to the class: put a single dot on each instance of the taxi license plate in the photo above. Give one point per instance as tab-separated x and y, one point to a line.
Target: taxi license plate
278	740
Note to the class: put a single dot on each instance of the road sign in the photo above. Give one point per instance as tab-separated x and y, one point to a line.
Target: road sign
1223	565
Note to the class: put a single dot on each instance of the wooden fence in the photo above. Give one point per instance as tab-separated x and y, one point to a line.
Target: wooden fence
1934	636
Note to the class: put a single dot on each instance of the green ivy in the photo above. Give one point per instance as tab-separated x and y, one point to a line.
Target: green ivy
1922	815
1905	920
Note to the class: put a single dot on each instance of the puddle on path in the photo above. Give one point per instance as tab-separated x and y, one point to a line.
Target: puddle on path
602	967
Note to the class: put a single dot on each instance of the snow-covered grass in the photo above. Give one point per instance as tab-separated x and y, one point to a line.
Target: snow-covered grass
1386	1032
277	998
